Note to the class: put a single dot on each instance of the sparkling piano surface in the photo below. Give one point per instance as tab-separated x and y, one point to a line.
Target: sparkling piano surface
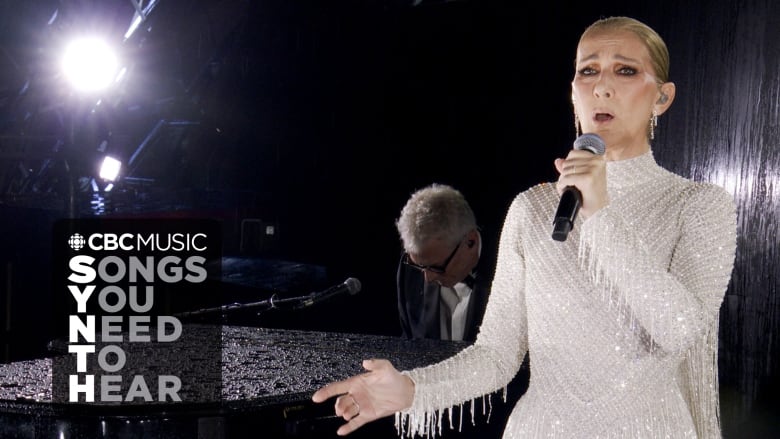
263	371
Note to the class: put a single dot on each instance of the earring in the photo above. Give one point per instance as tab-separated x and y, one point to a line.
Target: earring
653	124
576	125
576	118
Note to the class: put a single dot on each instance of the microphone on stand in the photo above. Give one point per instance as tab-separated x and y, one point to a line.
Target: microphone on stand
571	198
271	302
350	286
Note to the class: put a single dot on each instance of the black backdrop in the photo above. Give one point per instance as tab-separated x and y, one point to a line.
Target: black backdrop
322	117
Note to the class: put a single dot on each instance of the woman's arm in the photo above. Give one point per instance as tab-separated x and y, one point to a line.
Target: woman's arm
675	301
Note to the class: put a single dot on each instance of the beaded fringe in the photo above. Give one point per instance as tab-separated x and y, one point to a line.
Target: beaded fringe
429	424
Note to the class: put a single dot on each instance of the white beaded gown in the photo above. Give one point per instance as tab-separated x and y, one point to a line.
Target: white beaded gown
620	321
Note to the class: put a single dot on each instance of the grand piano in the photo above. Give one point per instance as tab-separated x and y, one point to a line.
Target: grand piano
265	387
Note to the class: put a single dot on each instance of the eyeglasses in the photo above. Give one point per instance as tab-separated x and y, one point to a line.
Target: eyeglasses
438	269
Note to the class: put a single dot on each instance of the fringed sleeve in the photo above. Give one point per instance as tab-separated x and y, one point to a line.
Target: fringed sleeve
674	301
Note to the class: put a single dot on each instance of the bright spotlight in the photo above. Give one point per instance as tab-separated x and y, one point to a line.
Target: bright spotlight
109	170
89	64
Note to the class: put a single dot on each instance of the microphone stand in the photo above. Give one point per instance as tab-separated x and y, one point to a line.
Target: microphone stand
272	303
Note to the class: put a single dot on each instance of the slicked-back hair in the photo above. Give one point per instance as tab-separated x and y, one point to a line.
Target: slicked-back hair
656	47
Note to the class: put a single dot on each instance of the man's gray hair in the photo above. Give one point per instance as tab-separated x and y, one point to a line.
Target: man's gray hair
437	212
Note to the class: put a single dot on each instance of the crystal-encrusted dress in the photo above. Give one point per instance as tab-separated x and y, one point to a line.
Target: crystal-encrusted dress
620	321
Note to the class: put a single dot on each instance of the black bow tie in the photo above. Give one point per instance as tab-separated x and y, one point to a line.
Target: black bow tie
470	280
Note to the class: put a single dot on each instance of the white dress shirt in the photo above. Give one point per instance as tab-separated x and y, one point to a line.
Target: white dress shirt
454	304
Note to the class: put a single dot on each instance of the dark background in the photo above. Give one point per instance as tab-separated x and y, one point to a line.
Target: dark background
319	118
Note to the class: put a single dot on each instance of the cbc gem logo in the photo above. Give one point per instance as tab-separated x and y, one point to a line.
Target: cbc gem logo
76	241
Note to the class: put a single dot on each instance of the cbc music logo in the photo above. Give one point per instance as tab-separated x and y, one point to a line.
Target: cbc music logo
76	241
177	242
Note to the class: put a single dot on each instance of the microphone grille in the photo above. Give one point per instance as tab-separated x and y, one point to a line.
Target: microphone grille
353	285
590	142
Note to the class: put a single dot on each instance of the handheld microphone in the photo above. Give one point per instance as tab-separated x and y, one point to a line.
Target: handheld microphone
351	286
571	198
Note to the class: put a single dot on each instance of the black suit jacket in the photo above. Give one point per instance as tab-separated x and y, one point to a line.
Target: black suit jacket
418	302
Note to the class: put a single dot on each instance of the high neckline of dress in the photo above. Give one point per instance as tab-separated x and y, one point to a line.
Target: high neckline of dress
639	170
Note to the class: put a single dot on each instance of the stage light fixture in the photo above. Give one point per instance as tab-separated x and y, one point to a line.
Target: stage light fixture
109	170
90	64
